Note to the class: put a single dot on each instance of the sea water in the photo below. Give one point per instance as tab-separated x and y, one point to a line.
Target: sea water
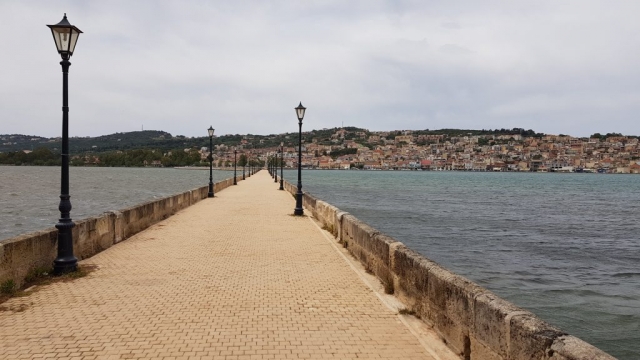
564	246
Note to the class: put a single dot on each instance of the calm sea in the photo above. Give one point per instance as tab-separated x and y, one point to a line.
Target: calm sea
29	195
564	246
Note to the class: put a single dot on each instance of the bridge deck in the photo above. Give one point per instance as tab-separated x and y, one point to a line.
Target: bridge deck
233	277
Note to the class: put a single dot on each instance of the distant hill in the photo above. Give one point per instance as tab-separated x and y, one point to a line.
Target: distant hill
118	141
164	141
153	139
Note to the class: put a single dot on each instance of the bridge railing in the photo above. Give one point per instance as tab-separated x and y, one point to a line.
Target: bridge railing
21	255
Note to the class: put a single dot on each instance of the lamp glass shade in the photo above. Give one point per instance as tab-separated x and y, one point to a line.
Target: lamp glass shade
281	144
300	111
65	36
211	130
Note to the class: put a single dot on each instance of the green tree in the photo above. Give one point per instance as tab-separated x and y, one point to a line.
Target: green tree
242	160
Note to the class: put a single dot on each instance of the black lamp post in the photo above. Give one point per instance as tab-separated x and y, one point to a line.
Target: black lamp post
300	113
235	153
244	165
65	36
211	130
275	167
281	164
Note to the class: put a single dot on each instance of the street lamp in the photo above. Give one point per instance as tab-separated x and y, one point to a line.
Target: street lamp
281	164
235	153
300	113
65	36
211	130
275	168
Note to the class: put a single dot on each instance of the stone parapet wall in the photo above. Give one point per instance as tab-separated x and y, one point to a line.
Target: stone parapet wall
473	321
23	254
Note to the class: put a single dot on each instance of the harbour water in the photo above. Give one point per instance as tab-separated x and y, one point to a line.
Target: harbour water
29	195
564	246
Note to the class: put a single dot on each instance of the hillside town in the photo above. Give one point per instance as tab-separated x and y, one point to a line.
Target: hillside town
348	148
406	150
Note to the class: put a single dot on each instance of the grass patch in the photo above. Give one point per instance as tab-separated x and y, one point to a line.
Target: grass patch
8	287
406	312
388	288
409	312
40	277
36	274
329	228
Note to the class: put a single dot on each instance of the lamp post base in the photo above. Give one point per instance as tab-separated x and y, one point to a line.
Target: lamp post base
65	265
65	262
210	194
281	187
298	211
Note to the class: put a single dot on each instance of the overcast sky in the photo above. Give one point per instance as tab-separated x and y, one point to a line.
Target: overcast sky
554	66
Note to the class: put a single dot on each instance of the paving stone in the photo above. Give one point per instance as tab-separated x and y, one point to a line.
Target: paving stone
233	277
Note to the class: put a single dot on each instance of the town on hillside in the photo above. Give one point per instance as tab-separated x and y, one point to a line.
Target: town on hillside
411	150
348	148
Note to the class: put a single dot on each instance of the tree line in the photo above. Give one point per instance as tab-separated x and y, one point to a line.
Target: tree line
38	157
127	158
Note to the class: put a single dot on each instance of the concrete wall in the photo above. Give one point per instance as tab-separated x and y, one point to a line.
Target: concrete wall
24	253
473	321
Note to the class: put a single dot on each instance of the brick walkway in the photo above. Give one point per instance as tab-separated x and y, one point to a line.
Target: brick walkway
234	277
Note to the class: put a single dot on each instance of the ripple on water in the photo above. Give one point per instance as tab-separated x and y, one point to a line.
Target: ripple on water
626	275
34	192
564	247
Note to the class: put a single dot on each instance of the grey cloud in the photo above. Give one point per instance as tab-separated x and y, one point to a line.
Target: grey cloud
242	66
451	25
454	49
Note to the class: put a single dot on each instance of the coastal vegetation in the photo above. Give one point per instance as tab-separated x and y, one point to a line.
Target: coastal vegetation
38	157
